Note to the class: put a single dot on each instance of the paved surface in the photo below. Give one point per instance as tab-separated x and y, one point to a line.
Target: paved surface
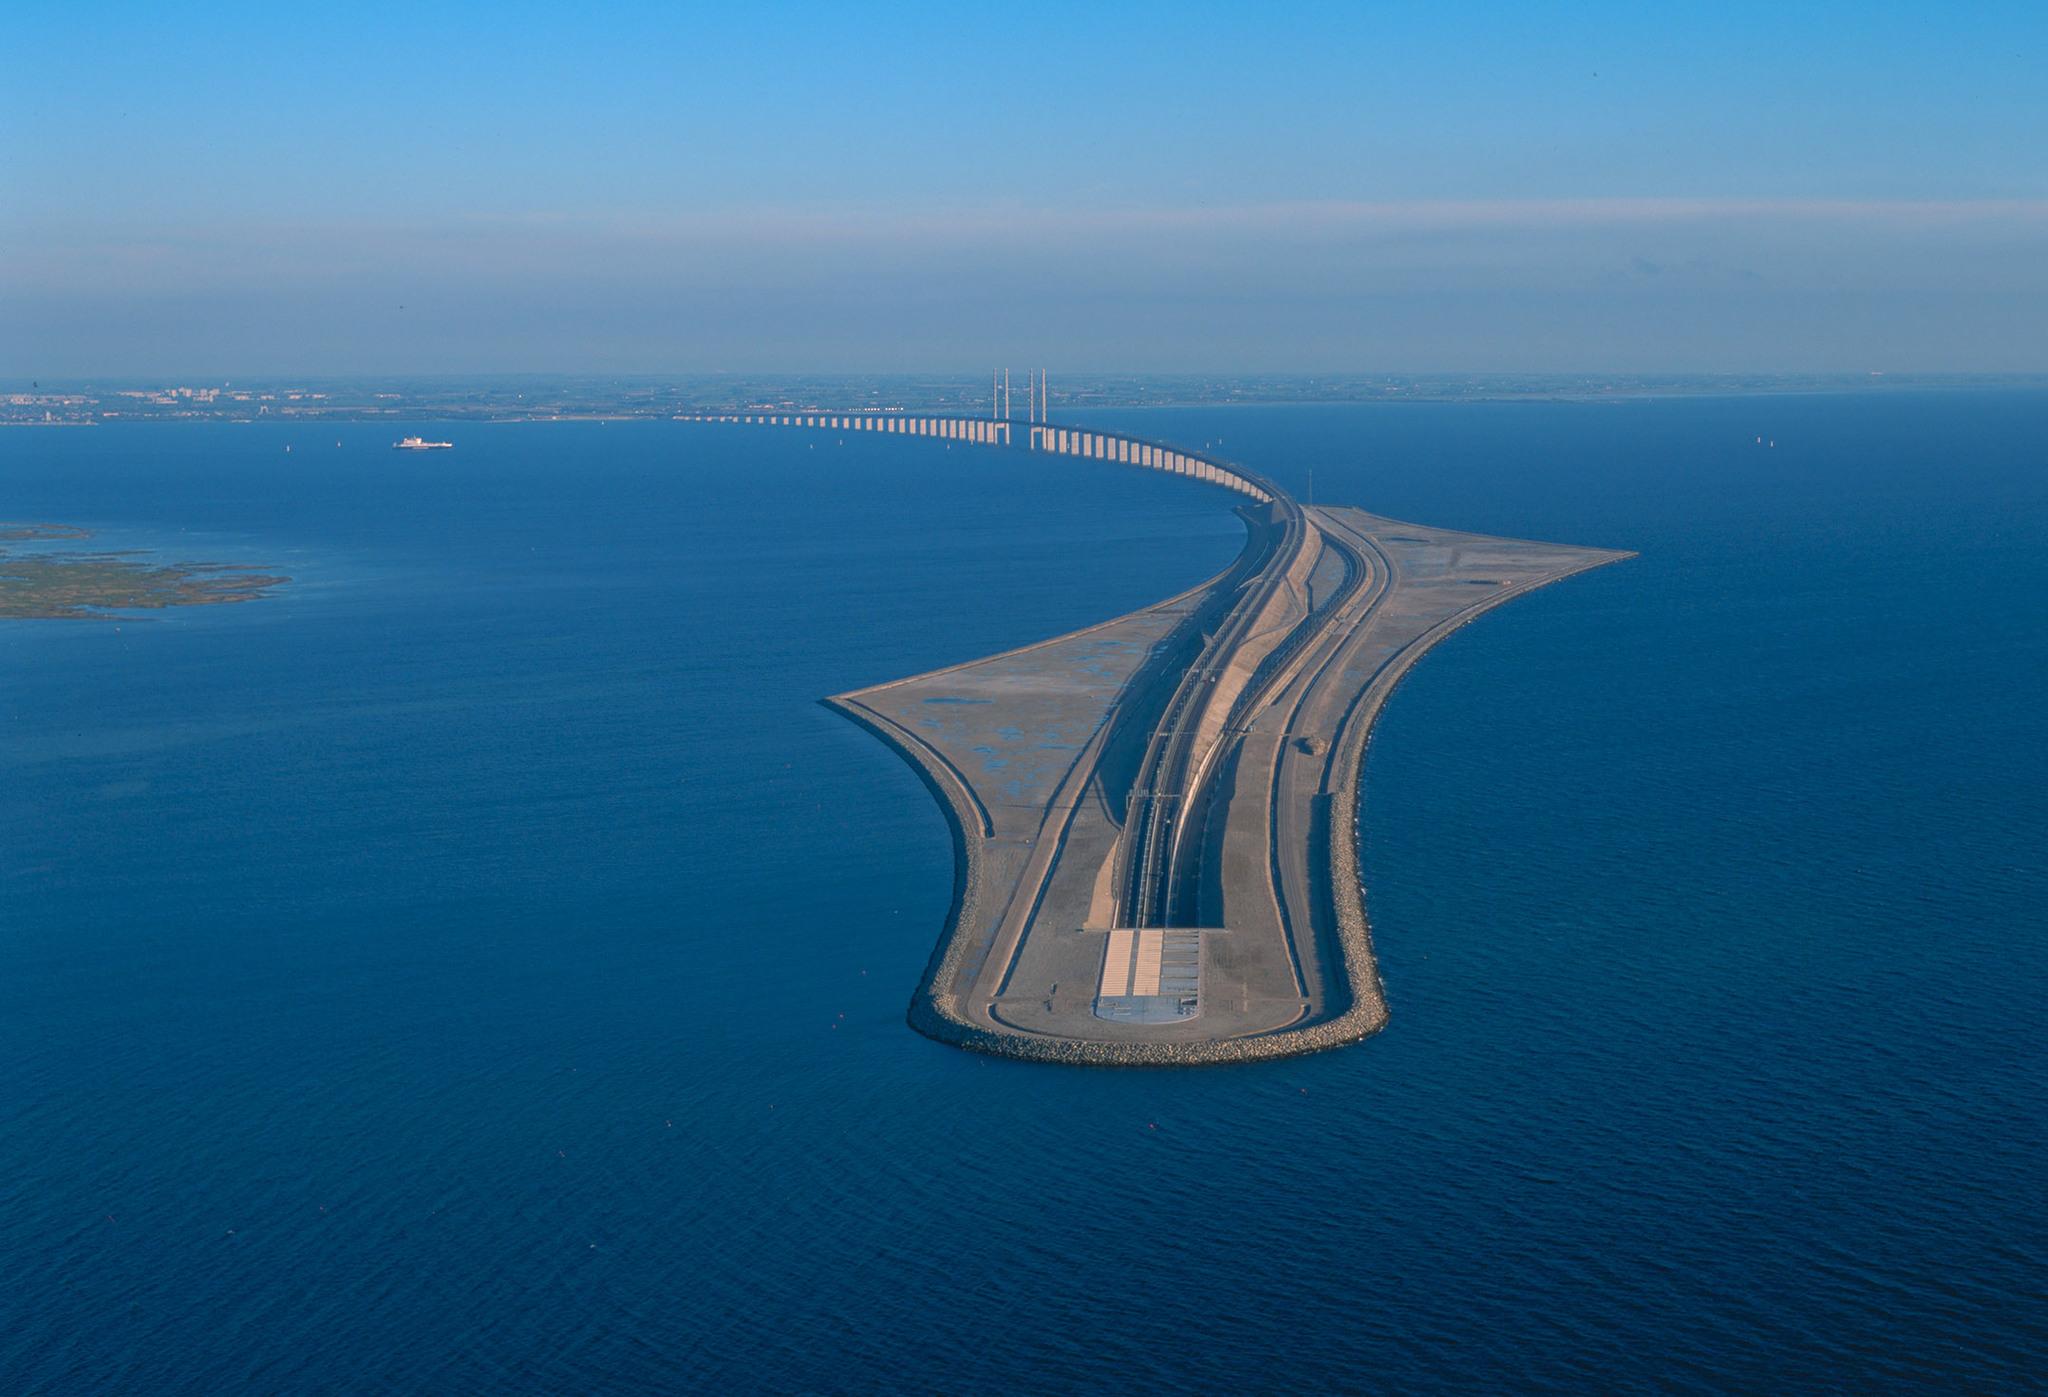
1154	815
1155	818
1151	975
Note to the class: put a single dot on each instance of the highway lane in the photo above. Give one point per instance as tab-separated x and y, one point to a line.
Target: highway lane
1208	812
1309	716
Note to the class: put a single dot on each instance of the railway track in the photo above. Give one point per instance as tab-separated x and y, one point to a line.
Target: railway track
1166	784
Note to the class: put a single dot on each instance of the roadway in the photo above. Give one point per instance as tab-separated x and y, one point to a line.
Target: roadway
1155	819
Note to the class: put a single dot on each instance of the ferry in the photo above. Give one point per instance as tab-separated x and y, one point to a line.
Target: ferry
421	444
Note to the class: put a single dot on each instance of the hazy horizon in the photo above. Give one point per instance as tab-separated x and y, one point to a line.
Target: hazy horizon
1122	387
1588	189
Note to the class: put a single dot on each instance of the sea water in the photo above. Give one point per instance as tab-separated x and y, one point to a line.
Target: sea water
480	965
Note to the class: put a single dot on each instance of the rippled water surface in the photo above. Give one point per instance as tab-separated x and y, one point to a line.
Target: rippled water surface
482	965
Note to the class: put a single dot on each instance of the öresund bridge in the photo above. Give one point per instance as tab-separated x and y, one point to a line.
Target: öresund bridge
1155	818
1001	430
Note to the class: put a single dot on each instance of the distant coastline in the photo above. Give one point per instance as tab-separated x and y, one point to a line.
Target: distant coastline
505	398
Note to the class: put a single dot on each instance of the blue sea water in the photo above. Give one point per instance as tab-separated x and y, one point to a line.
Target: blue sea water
481	965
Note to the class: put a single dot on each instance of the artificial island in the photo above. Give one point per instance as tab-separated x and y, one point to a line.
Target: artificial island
1155	818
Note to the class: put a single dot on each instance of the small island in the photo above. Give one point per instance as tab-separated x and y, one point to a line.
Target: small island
75	585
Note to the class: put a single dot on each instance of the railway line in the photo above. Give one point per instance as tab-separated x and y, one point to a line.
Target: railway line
1154	818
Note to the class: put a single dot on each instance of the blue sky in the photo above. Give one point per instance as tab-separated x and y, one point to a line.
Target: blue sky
1209	187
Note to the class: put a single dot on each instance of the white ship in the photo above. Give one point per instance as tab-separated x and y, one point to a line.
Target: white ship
421	444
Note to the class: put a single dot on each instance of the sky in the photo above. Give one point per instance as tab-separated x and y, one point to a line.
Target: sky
1529	187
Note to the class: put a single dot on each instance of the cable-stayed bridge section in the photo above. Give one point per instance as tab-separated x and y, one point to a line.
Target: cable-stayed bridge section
1155	818
1092	444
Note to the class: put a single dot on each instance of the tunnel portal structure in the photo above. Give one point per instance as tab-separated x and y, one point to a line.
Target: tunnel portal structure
1155	819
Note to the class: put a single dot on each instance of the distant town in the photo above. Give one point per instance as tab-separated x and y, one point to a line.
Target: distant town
514	398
